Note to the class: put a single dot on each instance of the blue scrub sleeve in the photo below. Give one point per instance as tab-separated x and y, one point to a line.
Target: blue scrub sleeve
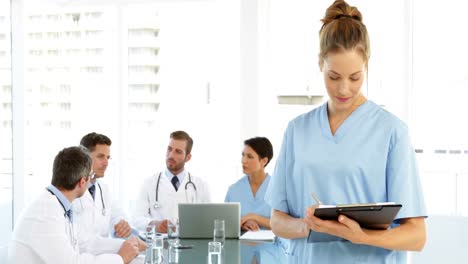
276	194
403	181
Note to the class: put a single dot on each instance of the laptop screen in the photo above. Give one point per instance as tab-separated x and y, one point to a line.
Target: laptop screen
197	219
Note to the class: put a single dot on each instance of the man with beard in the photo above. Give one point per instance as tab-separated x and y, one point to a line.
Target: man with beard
45	232
160	195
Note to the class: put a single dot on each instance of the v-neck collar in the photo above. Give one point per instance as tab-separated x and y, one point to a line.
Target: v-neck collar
347	124
259	188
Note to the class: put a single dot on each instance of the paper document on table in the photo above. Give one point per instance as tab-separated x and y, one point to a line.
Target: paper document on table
259	235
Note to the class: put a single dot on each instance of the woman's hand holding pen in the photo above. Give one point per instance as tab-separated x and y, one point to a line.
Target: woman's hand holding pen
345	227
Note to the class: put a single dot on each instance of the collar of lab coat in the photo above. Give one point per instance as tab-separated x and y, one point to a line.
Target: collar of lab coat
63	200
91	184
180	176
88	196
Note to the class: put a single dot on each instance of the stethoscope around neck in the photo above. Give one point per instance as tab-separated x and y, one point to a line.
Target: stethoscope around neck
74	240
157	204
103	211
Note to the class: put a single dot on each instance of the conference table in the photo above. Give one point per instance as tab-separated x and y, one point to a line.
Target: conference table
234	251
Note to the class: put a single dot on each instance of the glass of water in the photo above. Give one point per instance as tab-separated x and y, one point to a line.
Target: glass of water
214	252
173	230
219	234
150	235
173	251
157	249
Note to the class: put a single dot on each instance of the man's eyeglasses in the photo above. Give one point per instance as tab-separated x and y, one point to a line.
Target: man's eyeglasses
91	175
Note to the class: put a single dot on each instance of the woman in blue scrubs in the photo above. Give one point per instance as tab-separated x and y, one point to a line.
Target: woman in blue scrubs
250	192
348	150
250	189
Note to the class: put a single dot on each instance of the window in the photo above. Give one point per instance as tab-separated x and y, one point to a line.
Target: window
45	90
73	35
421	78
35	36
65	89
73	52
440	81
53	17
53	52
53	35
35	52
290	64
65	107
94	52
170	66
6	166
92	69
76	76
59	82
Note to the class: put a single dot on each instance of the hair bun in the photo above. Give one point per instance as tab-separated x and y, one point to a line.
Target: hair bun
347	16
339	10
343	29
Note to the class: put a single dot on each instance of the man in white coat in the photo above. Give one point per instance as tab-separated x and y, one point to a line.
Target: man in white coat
45	232
158	200
97	217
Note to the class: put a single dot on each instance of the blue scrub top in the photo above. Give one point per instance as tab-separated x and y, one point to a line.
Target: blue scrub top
369	159
262	252
242	193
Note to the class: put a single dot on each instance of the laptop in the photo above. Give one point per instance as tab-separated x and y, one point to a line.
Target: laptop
196	220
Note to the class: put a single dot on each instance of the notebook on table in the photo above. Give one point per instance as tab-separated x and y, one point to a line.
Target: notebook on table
196	220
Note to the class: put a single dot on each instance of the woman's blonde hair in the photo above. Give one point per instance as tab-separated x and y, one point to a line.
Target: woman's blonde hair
343	30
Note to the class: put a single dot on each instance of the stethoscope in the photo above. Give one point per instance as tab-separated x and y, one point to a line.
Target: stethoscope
103	211
157	204
74	241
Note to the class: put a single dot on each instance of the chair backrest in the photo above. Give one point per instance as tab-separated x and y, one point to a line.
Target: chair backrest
447	241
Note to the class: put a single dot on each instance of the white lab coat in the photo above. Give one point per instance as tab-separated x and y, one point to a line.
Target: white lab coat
44	235
93	228
168	198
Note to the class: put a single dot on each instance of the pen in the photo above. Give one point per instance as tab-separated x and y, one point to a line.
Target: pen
184	246
315	198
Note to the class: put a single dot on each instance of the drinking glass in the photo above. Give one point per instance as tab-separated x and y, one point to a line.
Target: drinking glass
173	230
173	251
214	252
150	235
157	249
219	234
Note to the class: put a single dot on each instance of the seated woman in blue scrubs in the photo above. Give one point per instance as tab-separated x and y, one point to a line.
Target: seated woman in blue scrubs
348	150
250	192
250	189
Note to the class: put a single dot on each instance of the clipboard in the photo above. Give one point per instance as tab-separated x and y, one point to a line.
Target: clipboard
369	216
